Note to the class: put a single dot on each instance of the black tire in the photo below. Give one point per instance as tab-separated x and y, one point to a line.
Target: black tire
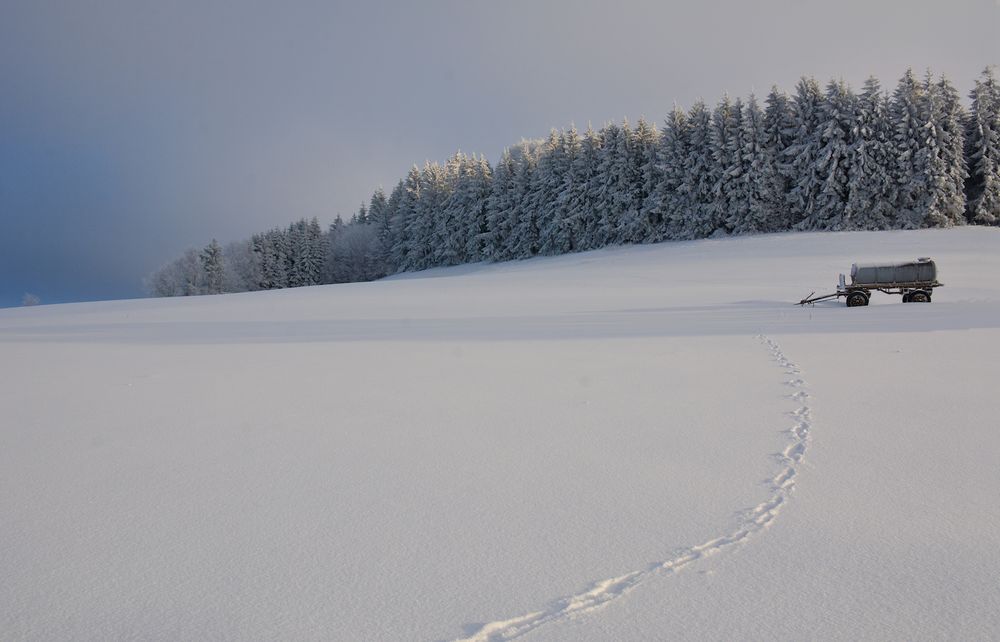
857	299
906	297
920	297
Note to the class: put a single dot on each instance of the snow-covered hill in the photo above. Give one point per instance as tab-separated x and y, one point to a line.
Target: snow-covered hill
631	444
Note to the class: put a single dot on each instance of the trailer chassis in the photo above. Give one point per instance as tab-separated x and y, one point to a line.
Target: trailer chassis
859	295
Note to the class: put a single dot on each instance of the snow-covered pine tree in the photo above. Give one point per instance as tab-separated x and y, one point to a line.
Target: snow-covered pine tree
435	189
212	268
500	209
313	256
478	189
949	164
551	169
450	227
295	256
404	222
779	133
523	239
759	174
580	211
389	228
696	220
728	207
670	197
802	153
561	234
836	138
361	217
983	145
274	270
639	224
871	194
376	208
613	176
909	150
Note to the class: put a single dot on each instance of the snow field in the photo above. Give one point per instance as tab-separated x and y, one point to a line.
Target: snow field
623	444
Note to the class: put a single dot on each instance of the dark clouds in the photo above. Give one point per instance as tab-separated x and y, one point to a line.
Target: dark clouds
131	130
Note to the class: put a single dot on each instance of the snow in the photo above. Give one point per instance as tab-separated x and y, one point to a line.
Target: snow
633	443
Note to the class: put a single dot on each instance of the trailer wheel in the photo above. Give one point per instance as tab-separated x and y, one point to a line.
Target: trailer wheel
920	297
856	299
906	297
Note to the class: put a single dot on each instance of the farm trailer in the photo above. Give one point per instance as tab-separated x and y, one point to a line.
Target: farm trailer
915	280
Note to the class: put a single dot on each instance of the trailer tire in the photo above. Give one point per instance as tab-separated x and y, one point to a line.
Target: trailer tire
906	297
857	299
920	297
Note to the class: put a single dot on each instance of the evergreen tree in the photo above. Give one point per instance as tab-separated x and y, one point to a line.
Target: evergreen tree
478	189
361	218
423	238
404	222
909	149
670	199
728	207
763	206
802	153
641	223
450	226
390	227
983	138
523	239
561	235
696	220
548	183
500	209
948	165
872	185
779	134
582	193
616	185
837	122
212	267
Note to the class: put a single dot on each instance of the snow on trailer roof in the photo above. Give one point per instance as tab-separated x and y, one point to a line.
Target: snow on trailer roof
921	270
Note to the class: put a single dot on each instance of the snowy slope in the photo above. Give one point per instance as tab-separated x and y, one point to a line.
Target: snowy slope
636	443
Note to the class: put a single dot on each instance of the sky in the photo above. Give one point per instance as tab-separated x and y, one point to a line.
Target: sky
132	130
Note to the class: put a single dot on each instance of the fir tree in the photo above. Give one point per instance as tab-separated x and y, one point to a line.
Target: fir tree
500	209
581	210
548	182
670	198
779	134
696	220
983	138
212	266
872	187
909	150
837	121
478	188
523	239
728	206
802	153
641	223
759	175
948	165
404	221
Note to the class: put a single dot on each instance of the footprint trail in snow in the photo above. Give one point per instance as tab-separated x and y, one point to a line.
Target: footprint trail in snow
751	522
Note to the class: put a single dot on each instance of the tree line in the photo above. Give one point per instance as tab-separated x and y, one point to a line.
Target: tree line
823	158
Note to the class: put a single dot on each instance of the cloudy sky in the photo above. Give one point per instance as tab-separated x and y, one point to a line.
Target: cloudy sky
131	130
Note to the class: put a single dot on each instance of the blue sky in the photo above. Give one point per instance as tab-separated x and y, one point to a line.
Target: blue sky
131	130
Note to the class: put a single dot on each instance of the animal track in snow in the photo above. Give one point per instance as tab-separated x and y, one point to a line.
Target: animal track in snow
752	521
